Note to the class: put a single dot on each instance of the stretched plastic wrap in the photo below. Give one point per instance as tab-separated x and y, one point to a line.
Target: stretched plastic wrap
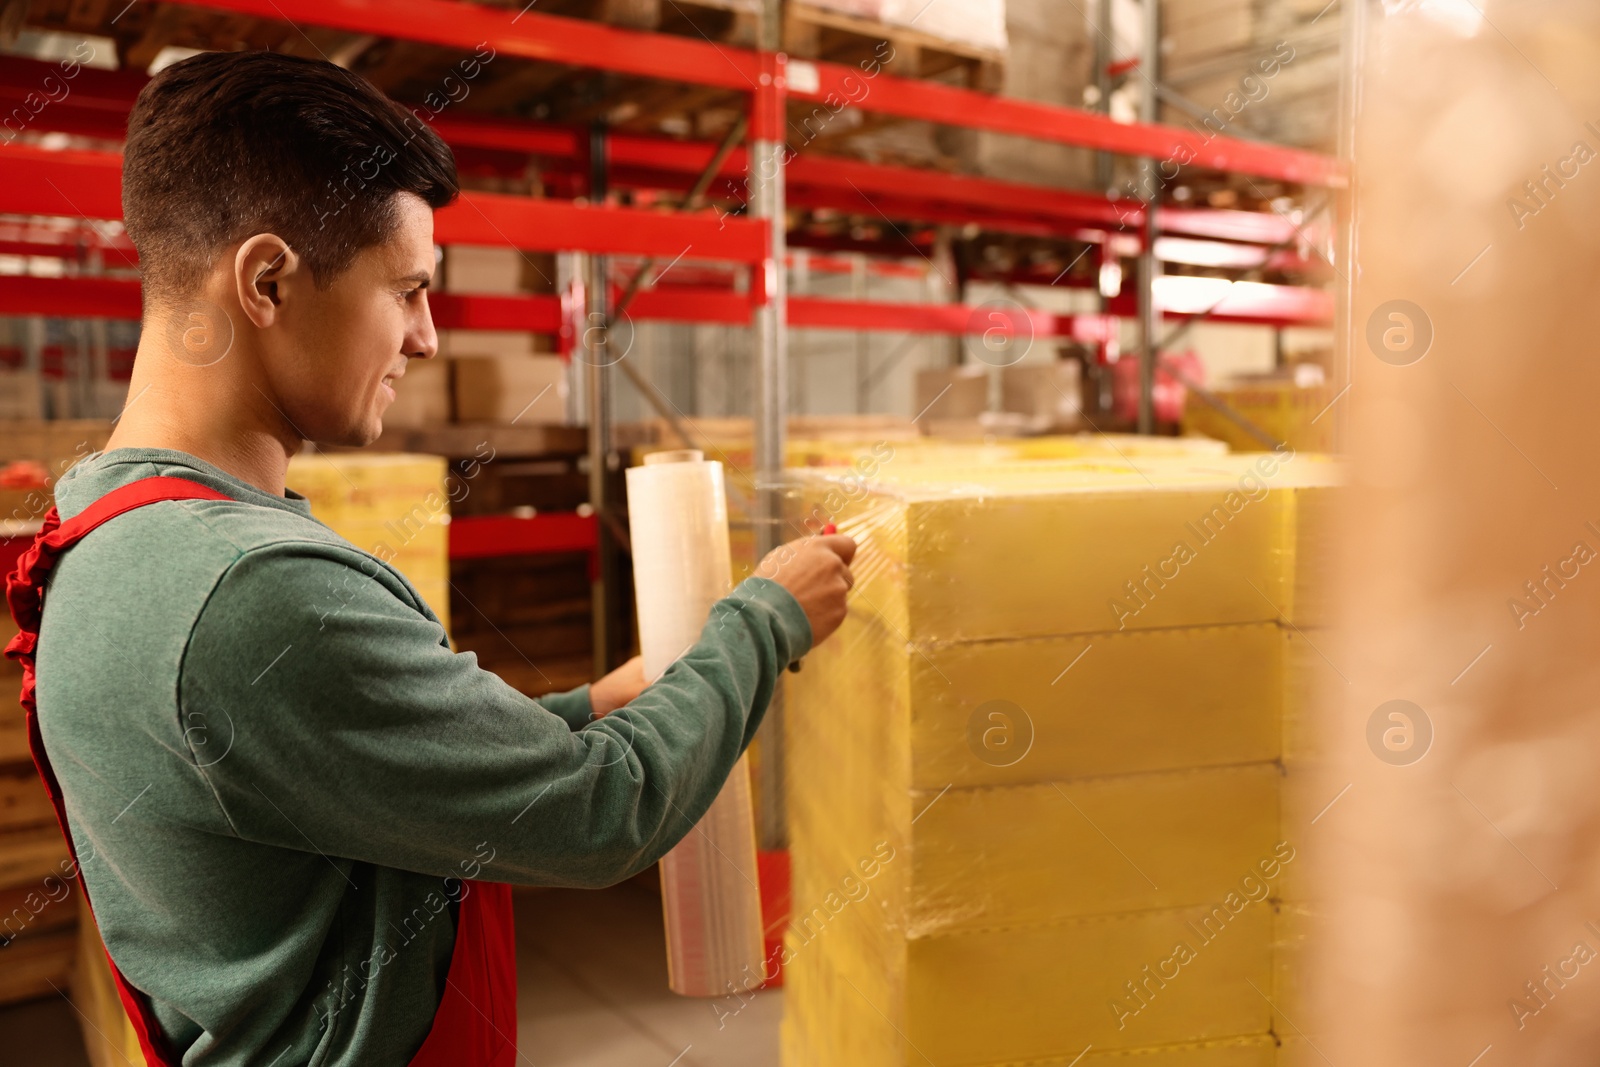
868	448
1036	787
395	505
710	894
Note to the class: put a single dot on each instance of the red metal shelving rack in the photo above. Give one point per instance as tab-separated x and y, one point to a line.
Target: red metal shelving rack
85	184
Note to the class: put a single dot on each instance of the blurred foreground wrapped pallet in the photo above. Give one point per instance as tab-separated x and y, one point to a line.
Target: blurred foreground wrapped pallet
394	505
1036	785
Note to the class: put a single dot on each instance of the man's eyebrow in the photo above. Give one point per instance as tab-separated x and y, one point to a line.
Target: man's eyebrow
421	277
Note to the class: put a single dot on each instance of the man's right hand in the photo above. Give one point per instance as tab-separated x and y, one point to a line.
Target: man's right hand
816	571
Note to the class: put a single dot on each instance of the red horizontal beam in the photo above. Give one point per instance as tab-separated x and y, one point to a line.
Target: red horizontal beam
71	182
861	181
560	225
1009	320
87	184
526	34
579	42
482	536
456	311
688	304
664	162
934	102
71	298
1249	303
102	98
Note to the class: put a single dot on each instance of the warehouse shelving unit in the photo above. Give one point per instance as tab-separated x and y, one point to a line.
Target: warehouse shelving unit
733	265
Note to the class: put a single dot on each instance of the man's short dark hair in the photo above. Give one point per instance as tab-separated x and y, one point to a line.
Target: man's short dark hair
225	145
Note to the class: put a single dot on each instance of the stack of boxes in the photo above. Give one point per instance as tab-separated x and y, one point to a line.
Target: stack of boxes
1036	780
38	900
1287	411
394	505
866	443
495	376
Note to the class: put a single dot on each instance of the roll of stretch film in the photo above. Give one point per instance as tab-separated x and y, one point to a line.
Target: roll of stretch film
679	518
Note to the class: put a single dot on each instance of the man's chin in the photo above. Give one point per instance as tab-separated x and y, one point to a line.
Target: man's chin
358	436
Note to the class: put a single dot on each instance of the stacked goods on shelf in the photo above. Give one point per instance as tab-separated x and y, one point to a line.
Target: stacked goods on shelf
499	376
523	388
33	454
732	21
976	398
1035	794
393	505
910	37
999	450
38	883
38	898
527	618
1289	412
421	396
21	395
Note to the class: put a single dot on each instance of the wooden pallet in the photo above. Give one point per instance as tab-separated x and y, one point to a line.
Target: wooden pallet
735	22
813	32
38	966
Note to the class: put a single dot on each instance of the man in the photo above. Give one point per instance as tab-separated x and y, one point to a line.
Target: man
278	778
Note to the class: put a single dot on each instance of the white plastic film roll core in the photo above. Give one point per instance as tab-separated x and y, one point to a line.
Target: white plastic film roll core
678	515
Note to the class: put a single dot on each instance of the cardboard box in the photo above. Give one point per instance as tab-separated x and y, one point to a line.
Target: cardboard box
422	397
80	400
21	395
454	343
473	269
1033	397
527	390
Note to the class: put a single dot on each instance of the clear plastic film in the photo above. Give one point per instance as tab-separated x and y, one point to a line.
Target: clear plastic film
871	443
1046	745
679	519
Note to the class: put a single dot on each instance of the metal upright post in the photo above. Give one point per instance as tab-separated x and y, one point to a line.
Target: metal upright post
767	156
1103	36
595	349
1352	53
863	365
1149	266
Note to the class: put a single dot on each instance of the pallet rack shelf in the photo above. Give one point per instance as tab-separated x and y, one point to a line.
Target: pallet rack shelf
780	94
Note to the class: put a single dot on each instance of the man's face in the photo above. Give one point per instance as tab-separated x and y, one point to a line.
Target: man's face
343	347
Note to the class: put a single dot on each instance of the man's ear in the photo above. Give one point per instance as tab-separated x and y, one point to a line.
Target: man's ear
262	264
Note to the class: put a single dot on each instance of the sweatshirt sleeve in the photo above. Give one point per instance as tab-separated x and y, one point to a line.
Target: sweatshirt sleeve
356	732
572	706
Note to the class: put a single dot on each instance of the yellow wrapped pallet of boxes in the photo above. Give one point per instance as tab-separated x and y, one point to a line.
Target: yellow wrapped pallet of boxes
1285	411
866	452
394	505
1035	790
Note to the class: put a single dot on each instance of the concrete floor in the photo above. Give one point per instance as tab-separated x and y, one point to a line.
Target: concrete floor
592	992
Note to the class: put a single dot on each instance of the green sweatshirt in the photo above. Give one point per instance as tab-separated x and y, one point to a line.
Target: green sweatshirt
277	773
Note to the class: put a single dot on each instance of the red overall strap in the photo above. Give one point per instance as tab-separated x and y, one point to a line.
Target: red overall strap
476	1021
25	595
